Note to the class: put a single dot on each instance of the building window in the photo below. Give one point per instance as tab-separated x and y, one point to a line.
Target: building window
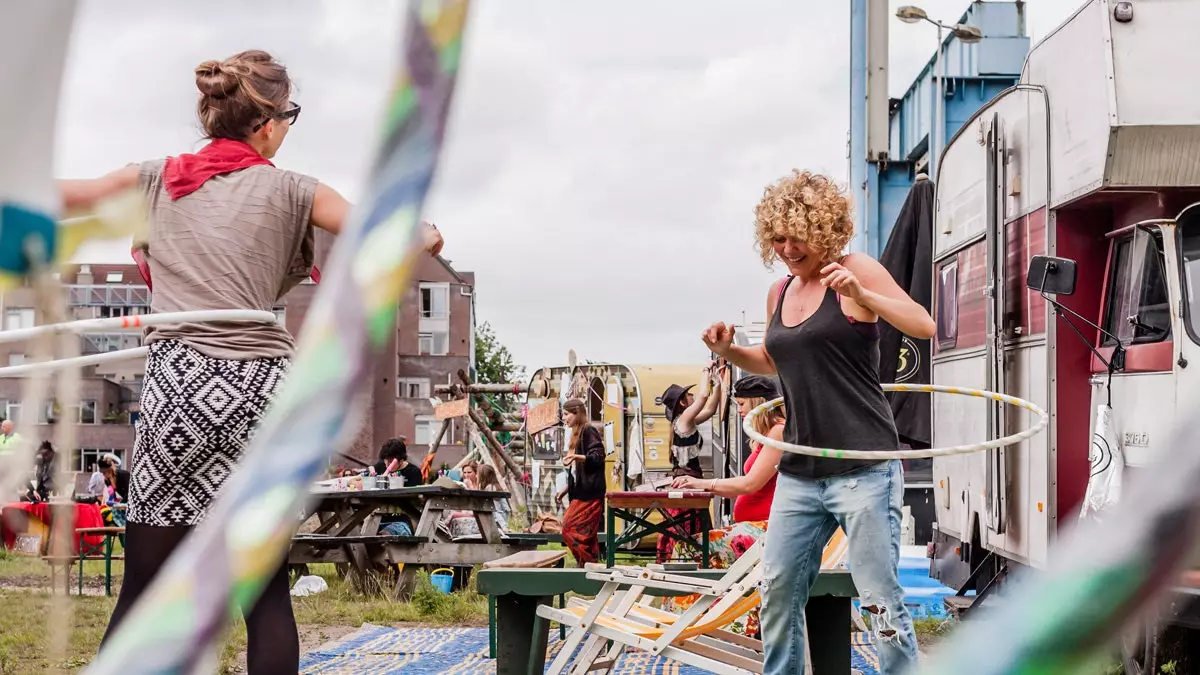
435	301
114	277
11	410
427	429
87	412
436	343
47	412
84	459
18	317
16	359
414	387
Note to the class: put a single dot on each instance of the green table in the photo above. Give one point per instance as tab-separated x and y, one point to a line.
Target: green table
518	592
634	509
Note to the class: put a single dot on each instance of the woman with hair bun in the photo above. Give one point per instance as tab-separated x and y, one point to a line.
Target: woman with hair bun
228	230
822	341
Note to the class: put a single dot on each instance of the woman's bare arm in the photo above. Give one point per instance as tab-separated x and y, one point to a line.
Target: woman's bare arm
869	285
765	467
710	406
330	209
82	194
753	359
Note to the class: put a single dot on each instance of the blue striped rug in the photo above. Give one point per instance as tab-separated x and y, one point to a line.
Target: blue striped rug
380	650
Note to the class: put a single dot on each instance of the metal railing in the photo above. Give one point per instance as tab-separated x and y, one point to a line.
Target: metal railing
100	343
110	295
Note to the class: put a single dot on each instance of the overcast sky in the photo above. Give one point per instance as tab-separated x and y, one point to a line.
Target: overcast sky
603	158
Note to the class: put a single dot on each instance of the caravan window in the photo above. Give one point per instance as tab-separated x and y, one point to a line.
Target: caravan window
947	305
1137	309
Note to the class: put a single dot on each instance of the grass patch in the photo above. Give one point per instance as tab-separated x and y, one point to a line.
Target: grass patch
26	608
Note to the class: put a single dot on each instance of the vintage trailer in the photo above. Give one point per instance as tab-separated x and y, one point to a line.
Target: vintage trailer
1094	157
624	401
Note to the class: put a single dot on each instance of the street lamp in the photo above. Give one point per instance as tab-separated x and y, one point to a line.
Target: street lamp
965	33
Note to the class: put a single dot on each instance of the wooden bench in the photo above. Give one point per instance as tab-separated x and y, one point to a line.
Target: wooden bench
87	552
523	560
517	592
331	541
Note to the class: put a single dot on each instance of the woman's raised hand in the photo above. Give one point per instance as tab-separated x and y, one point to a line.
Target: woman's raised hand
718	338
432	237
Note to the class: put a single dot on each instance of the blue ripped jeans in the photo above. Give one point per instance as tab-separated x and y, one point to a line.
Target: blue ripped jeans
804	515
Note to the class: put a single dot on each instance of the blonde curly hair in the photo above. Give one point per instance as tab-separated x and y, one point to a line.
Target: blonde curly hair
809	207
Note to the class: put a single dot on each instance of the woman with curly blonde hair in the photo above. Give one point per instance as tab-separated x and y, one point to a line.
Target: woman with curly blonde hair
822	342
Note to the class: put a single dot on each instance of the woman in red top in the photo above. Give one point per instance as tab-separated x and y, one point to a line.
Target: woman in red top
753	490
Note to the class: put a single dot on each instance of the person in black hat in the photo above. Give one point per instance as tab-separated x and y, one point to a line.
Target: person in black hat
686	412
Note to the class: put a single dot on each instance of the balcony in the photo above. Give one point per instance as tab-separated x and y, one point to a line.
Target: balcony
101	295
99	343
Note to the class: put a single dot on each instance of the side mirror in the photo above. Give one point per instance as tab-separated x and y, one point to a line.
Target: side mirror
1048	274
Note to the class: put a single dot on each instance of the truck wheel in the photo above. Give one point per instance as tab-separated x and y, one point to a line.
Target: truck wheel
1139	649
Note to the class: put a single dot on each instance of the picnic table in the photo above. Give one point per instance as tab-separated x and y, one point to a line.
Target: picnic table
634	509
350	523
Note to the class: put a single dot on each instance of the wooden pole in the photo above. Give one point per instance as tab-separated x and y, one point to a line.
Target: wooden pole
515	489
493	444
433	447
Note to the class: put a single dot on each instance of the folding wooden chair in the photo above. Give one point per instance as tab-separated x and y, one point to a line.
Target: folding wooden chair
694	637
697	637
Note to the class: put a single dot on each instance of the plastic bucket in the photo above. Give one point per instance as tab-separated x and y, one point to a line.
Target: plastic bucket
442	579
368	482
395	481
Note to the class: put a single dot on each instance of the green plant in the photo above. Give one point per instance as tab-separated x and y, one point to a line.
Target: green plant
1168	668
427	599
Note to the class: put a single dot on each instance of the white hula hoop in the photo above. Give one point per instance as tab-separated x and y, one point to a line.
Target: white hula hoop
833	453
137	321
116	324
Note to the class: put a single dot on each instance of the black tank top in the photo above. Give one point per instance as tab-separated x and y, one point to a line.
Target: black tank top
829	372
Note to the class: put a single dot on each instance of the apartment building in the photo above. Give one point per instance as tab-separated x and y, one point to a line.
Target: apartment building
434	339
108	405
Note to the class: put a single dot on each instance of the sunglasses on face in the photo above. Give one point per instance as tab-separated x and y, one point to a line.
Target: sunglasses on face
290	116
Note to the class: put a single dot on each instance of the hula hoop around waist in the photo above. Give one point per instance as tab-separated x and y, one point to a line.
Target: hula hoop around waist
116	324
876	455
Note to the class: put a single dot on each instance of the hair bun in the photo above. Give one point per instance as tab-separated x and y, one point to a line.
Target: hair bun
214	81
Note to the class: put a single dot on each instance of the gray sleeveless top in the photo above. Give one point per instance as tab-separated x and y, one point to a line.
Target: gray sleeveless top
828	370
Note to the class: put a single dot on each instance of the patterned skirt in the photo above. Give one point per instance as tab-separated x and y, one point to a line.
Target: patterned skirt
724	547
198	416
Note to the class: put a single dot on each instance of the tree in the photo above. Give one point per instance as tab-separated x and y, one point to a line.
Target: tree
494	363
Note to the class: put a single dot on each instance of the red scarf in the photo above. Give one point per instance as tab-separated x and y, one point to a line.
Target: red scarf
185	174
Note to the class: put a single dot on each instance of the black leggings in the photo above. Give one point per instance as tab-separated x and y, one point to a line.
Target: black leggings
273	643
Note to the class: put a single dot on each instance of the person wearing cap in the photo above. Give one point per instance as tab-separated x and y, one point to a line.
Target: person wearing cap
753	490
